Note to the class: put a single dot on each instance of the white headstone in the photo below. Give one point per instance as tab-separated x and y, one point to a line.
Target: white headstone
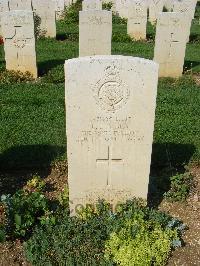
109	100
20	5
45	10
19	41
185	6
137	20
121	7
3	8
91	5
155	7
170	43
95	32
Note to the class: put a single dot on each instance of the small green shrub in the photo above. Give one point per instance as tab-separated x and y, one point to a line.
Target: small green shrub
107	6
99	236
37	24
24	209
11	76
118	20
140	242
71	14
35	184
180	187
119	37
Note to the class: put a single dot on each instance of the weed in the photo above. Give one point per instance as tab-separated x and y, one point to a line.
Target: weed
180	187
11	76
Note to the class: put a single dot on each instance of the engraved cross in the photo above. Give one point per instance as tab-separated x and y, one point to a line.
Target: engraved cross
109	160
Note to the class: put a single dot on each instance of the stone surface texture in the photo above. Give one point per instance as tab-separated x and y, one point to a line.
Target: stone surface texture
46	11
3	8
137	20
95	32
19	41
91	5
170	44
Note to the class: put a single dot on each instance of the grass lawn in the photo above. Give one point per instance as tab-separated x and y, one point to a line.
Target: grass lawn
32	128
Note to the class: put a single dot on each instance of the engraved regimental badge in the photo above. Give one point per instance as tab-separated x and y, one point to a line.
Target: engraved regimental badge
110	92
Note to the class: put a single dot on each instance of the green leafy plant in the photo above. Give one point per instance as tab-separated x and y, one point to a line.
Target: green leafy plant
23	211
139	242
107	6
37	27
71	13
25	208
63	198
117	37
99	236
35	184
180	187
118	20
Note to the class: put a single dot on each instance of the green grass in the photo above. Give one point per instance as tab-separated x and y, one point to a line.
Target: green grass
32	115
32	124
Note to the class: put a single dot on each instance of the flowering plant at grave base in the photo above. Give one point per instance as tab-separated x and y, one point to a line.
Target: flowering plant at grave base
132	235
24	209
11	76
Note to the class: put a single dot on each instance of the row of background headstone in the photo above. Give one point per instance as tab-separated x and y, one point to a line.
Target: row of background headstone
47	9
172	29
95	32
18	19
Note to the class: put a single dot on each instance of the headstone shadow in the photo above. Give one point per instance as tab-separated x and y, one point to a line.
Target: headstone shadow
45	66
18	164
67	36
194	37
168	159
190	64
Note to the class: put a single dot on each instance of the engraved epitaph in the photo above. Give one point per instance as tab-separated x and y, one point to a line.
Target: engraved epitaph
19	41
109	100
